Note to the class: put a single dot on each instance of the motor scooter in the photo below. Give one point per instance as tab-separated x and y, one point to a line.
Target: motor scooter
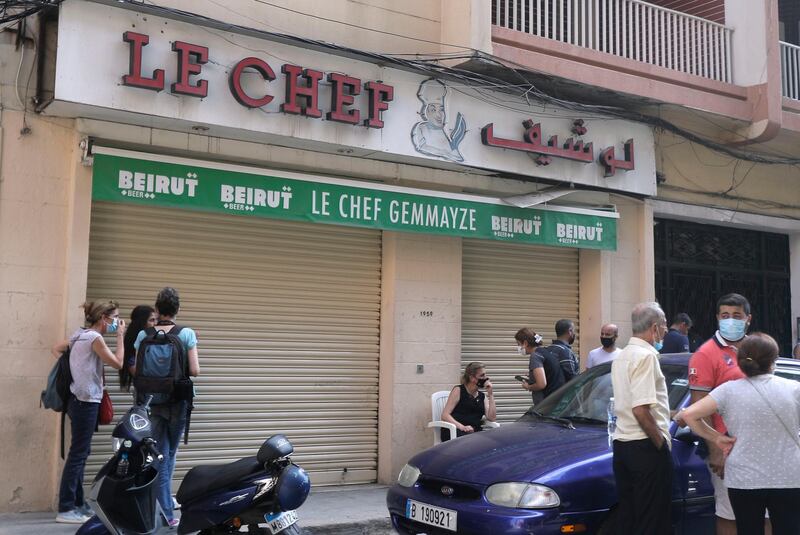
260	493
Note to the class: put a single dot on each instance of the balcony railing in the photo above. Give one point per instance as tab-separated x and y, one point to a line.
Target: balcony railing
627	28
790	70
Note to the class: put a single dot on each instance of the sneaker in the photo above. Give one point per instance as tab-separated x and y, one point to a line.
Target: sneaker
85	510
71	517
173	523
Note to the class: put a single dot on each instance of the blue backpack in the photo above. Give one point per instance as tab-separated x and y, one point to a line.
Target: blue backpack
162	370
161	364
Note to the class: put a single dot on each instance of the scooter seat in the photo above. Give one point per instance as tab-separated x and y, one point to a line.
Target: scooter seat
203	479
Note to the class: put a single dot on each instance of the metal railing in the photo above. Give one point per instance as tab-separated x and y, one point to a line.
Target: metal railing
790	70
627	28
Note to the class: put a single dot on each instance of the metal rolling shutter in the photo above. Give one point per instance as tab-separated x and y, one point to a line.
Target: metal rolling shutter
505	287
287	318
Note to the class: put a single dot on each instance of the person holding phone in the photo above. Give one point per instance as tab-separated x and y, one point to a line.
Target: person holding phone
467	405
546	375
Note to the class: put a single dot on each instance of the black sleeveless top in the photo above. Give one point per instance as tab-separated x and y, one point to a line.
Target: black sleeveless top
468	411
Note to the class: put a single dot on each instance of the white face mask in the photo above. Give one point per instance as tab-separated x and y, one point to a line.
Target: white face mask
521	350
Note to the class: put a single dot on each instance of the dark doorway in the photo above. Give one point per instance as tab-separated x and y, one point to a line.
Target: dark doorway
696	264
789	17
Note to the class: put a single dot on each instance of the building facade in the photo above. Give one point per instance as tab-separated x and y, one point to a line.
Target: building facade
356	200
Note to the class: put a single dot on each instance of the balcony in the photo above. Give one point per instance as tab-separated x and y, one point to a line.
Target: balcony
790	70
629	29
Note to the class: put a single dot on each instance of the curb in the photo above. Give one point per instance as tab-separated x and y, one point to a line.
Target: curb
367	527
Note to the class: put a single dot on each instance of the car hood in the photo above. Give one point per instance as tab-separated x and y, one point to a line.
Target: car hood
520	451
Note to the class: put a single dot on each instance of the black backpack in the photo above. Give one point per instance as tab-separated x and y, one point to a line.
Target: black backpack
162	370
565	360
56	393
160	363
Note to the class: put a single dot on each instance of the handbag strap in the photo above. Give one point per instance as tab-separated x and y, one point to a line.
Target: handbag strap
794	436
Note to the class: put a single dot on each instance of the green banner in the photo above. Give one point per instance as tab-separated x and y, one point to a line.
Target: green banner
194	187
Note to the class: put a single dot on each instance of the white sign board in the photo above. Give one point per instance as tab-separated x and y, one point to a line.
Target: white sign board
103	68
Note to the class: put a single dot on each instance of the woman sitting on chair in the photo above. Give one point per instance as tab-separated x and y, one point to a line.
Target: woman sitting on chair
466	405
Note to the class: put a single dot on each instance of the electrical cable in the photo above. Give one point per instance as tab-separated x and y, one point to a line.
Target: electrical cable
524	90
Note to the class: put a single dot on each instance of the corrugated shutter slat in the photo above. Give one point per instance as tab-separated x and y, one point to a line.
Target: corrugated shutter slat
287	317
505	287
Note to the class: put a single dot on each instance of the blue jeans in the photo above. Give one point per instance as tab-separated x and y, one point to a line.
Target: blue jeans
83	421
168	423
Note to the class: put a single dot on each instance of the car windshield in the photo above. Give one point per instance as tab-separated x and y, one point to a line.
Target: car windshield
585	399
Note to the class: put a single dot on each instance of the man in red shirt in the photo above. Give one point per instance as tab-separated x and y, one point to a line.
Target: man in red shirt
713	364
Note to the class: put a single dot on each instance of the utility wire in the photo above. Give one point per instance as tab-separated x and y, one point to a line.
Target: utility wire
524	89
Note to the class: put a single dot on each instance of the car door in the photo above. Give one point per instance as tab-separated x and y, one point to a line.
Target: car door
693	494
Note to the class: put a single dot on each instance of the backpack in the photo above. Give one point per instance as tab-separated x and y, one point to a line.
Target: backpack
56	393
160	362
565	360
552	371
162	370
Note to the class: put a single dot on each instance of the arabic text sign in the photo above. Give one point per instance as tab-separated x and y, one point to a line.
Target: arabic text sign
192	186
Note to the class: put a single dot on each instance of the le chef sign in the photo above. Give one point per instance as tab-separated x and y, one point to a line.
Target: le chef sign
173	75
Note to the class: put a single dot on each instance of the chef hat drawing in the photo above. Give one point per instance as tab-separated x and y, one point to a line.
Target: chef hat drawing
432	92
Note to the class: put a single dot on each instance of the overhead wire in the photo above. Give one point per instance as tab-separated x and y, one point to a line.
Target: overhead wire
524	90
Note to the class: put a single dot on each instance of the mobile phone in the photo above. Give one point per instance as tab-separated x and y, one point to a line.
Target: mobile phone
522	378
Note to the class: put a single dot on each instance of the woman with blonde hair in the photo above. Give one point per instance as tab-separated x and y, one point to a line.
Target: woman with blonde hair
88	353
467	405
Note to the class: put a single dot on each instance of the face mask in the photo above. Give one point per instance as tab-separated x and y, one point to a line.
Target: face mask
607	342
521	350
732	329
112	327
482	382
658	345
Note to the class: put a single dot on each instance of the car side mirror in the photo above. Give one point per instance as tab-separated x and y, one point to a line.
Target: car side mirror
685	435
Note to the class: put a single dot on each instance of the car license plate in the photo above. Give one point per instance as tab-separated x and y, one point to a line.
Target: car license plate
433	516
281	521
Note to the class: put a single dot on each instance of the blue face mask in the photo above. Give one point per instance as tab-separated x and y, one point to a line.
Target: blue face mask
732	329
112	328
658	345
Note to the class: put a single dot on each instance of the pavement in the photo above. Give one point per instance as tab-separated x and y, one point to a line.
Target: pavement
347	510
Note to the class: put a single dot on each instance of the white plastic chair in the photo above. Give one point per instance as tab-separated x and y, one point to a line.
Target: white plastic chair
438	401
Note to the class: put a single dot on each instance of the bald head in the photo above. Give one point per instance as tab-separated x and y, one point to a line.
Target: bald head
609	330
608	337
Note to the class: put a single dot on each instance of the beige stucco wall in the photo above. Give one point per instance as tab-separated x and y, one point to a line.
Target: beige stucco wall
612	282
383	26
36	179
421	273
696	175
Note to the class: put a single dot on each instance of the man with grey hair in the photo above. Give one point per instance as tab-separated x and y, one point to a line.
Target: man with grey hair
642	458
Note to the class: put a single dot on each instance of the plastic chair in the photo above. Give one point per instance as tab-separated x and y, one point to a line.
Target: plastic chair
438	401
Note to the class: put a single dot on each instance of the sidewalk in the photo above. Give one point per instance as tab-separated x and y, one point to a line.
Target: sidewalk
350	510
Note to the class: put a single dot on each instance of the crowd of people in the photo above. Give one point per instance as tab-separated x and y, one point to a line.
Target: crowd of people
88	353
748	418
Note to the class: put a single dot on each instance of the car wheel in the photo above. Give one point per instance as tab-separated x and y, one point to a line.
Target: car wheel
609	526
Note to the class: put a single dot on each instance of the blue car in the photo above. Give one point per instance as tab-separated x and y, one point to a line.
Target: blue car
550	472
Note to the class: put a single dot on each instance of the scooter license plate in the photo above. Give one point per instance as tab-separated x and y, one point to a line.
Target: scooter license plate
281	521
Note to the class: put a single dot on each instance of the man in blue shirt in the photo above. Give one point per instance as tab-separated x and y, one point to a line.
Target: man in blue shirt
677	339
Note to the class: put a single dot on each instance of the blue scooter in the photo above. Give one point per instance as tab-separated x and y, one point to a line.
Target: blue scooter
261	493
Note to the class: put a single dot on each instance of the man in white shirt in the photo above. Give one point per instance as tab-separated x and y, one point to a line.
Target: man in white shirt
642	458
608	348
